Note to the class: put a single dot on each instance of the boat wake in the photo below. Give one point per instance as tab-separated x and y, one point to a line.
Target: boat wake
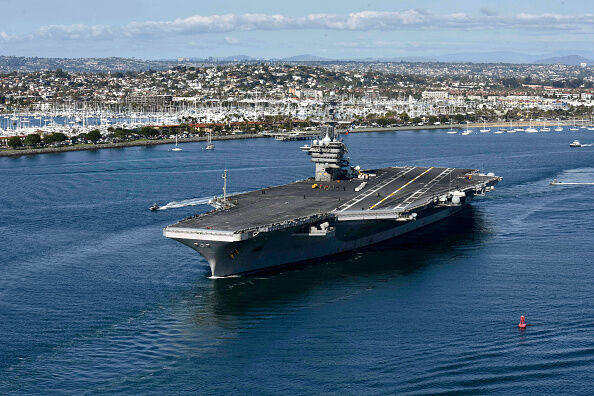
192	202
582	176
186	202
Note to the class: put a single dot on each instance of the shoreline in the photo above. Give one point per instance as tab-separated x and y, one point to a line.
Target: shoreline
146	142
134	143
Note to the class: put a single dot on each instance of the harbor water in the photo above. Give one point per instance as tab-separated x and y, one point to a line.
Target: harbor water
94	300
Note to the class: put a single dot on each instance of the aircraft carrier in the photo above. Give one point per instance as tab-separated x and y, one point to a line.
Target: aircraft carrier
342	208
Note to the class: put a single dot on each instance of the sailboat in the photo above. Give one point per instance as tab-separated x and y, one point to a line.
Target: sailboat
451	131
485	129
501	130
467	131
520	129
559	127
530	128
574	128
210	145
544	127
591	127
511	127
176	148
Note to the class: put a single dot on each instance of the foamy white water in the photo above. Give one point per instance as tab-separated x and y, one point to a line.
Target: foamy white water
186	202
192	202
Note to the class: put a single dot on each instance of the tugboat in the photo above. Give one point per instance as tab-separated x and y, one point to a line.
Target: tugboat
154	207
575	143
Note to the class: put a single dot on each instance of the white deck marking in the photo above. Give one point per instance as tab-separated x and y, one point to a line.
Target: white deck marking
374	189
392	194
419	193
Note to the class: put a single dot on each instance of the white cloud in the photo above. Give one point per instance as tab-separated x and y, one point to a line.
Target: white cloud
231	40
75	32
5	37
355	21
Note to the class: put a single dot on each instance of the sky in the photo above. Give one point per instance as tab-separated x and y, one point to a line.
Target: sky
345	29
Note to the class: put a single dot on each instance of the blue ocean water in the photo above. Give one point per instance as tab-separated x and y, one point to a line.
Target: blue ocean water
94	300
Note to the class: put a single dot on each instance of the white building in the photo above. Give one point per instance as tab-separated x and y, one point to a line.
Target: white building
435	95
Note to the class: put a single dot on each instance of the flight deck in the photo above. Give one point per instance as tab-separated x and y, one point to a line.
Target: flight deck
386	191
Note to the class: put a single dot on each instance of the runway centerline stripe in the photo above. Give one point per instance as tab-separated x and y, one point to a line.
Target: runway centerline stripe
405	185
376	188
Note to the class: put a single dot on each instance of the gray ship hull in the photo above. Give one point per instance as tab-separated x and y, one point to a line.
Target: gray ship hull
292	245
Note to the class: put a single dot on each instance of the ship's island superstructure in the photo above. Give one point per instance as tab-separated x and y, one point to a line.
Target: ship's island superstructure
341	209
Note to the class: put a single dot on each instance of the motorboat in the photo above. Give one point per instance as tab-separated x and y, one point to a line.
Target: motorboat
154	207
575	143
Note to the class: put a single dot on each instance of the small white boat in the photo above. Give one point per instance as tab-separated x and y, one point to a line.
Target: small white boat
452	131
176	148
574	127
556	182
467	131
485	129
210	145
530	128
545	128
575	143
511	127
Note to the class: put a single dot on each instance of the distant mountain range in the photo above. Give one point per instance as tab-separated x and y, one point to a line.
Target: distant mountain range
461	57
116	64
565	60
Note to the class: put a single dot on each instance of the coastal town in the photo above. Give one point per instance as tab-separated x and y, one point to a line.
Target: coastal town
80	107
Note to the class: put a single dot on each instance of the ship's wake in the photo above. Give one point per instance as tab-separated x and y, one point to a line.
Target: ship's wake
186	202
577	176
192	202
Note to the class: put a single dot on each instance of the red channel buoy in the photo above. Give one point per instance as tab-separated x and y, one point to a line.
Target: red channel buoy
522	324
